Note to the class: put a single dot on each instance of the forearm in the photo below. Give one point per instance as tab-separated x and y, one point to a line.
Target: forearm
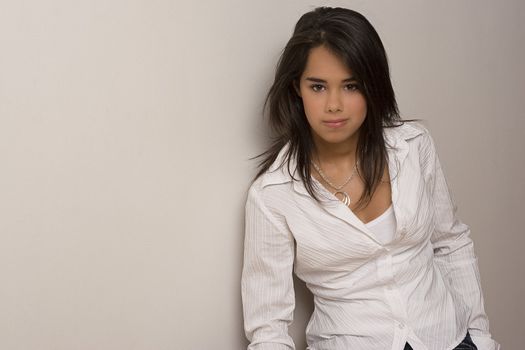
454	253
267	285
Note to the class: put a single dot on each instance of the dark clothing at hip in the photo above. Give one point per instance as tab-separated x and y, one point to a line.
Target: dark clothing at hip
466	344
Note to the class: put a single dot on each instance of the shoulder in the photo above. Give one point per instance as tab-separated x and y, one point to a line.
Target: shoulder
407	131
275	183
412	141
281	171
412	134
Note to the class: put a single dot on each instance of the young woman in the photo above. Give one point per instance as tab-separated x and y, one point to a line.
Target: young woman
354	200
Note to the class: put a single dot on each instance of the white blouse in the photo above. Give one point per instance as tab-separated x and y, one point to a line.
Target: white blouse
423	287
384	226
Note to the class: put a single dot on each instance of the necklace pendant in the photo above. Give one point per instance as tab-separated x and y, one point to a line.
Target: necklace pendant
345	197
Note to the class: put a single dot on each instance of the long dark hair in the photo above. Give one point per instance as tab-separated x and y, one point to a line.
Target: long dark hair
350	36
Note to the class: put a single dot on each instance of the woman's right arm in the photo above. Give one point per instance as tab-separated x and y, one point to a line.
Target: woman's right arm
267	285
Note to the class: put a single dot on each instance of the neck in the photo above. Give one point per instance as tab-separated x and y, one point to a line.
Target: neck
342	154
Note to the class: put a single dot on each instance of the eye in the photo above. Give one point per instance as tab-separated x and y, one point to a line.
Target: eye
317	87
351	87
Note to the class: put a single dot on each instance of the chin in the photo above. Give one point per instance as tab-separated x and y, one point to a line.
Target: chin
334	137
335	140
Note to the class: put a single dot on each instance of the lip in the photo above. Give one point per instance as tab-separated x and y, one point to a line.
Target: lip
336	123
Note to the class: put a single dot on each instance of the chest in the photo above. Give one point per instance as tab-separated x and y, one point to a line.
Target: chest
330	236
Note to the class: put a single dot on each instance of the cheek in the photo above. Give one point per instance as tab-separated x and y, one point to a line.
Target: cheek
312	105
358	105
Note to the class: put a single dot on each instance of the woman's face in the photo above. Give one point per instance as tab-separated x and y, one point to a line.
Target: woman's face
333	104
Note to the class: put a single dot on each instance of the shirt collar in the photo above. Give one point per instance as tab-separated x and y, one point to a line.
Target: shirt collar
279	171
396	140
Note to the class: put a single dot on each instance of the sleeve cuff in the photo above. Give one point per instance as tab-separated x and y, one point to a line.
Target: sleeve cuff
269	346
485	343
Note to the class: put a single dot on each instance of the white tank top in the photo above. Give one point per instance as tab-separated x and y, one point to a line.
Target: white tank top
384	226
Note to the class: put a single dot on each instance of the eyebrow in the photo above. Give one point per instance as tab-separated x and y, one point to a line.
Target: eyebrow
317	80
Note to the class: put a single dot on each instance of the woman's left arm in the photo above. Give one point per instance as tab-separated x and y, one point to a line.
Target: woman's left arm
454	250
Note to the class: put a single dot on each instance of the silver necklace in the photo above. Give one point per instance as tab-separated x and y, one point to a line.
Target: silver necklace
345	198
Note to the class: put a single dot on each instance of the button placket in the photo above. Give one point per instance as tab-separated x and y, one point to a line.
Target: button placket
392	295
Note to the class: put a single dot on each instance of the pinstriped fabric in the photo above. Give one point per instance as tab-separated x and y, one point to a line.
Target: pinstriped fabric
422	287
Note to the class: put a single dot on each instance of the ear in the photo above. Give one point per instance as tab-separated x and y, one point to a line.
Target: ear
296	87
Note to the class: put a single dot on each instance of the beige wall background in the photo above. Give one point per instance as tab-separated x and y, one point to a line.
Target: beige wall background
126	129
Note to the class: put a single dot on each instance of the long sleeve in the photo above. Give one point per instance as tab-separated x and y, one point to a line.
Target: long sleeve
267	284
454	251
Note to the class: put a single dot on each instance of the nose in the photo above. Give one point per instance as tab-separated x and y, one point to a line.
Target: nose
333	102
